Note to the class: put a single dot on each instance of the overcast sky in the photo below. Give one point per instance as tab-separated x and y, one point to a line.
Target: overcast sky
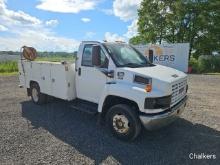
60	25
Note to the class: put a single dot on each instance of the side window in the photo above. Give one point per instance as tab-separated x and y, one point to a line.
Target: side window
87	56
104	60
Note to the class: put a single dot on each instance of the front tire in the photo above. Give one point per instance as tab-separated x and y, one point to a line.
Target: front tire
123	122
36	96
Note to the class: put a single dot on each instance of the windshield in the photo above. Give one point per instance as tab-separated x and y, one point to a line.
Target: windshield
126	56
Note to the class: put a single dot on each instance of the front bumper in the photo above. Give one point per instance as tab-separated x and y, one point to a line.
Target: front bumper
152	122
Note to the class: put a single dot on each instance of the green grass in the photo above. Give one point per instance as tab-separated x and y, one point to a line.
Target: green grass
11	67
8	67
56	59
9	74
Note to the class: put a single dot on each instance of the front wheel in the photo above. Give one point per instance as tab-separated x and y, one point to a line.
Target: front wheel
123	122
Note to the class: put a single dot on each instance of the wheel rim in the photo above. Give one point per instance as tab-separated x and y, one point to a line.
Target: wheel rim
35	95
121	123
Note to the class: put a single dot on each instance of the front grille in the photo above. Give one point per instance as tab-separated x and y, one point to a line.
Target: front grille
178	91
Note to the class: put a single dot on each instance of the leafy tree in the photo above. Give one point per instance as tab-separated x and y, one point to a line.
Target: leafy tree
137	40
193	21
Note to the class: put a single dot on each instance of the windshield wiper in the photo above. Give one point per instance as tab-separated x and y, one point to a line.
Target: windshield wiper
147	64
132	65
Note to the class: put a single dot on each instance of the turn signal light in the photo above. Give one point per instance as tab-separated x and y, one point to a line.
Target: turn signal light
148	88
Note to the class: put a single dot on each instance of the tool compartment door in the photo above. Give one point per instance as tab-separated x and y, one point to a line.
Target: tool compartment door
59	85
45	79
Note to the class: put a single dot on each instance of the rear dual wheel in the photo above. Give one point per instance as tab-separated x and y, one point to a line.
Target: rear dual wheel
36	96
123	122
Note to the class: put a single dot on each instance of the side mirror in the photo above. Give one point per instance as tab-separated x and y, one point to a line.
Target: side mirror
96	55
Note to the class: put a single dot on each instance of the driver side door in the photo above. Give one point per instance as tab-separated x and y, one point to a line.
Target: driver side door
90	81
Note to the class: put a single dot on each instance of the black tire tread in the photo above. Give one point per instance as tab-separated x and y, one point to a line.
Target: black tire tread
42	97
132	113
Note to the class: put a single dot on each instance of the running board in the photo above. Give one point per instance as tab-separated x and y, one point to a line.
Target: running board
85	106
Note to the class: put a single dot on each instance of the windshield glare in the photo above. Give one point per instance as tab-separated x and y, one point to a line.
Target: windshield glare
126	56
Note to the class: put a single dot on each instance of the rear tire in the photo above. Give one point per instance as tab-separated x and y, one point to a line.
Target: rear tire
123	122
36	96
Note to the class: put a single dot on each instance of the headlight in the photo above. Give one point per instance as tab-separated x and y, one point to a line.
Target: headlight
144	81
156	103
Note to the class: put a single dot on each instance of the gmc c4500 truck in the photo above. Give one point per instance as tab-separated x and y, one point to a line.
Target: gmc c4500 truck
113	80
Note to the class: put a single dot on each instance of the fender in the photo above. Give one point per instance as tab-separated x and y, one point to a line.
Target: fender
128	91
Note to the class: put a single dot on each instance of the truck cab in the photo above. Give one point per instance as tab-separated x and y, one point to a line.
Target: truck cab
120	84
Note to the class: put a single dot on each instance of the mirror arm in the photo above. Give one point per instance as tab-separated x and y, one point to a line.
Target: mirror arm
108	73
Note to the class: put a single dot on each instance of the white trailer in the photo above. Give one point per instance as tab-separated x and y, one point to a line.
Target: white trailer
112	80
172	55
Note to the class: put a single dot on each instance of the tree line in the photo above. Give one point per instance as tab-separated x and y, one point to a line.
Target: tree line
41	54
179	21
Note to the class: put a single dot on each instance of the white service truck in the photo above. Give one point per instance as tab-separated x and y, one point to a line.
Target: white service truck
113	80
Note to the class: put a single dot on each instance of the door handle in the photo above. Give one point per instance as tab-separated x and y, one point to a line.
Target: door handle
79	71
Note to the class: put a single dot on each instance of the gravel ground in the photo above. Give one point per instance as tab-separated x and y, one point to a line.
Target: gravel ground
56	134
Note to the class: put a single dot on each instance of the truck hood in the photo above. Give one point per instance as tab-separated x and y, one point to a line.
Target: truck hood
158	72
